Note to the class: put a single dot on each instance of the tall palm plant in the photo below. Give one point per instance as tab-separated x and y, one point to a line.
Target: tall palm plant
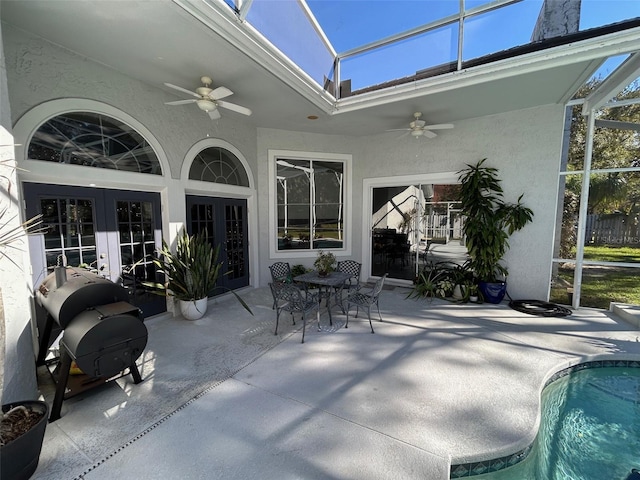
489	221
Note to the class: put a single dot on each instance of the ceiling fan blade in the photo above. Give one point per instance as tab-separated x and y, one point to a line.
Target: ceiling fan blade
440	126
214	114
234	107
183	90
399	130
220	93
180	102
429	134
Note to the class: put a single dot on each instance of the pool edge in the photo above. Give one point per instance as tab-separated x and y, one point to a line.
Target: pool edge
479	467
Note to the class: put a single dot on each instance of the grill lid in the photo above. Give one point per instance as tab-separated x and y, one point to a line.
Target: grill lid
70	290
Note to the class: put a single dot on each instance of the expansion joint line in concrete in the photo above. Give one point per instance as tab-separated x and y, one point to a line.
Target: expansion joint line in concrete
181	407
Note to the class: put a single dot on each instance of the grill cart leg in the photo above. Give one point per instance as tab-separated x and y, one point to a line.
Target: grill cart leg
135	373
44	341
65	365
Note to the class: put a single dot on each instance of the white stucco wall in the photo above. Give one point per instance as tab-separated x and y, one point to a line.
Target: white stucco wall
525	145
17	371
38	73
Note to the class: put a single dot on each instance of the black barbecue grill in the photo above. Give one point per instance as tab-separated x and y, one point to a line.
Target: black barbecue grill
102	333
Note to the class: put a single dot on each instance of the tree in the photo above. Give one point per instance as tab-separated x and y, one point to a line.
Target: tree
615	145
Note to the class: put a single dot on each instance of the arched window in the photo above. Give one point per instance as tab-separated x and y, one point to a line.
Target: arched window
93	140
218	165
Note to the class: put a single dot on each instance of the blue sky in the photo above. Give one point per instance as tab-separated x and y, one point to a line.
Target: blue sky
352	23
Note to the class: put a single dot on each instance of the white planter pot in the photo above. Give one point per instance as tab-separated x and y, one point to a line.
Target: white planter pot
458	294
193	309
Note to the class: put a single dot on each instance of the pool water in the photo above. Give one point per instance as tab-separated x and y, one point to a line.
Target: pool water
590	429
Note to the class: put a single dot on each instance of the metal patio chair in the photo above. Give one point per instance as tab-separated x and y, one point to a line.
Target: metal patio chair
280	273
366	300
352	284
290	298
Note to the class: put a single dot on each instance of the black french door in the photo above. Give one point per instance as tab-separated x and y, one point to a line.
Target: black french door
114	233
225	221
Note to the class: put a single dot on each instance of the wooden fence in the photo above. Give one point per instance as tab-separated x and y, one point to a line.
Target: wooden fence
613	229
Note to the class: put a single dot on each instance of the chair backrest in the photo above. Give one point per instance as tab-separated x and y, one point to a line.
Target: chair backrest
377	288
291	295
351	267
280	272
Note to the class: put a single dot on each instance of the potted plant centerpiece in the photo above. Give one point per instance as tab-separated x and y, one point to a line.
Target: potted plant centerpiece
192	272
488	224
325	263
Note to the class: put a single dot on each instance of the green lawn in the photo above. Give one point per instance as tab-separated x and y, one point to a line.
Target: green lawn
604	284
612	254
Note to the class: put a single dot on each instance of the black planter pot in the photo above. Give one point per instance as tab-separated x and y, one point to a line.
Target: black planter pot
493	292
19	459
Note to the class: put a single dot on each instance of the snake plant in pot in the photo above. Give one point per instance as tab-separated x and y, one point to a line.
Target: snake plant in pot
488	224
191	273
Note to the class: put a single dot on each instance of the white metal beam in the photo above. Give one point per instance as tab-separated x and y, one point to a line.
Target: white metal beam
613	84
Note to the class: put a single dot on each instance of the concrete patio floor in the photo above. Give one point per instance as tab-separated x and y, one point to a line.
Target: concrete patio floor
223	397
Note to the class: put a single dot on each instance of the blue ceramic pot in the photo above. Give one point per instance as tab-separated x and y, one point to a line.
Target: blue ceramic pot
493	292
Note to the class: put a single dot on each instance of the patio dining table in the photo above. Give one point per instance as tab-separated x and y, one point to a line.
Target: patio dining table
325	285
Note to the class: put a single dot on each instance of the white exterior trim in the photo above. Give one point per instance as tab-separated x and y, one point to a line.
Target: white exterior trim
346	159
368	184
209	143
27	125
212	189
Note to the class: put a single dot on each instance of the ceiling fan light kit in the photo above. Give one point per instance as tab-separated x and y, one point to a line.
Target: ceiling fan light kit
208	100
206	105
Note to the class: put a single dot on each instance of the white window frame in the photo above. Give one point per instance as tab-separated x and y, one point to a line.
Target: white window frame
346	160
368	185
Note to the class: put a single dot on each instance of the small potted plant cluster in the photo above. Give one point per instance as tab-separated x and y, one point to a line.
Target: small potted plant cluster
325	263
445	280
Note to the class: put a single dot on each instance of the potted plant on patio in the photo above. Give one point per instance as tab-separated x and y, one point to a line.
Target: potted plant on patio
192	272
488	224
464	281
434	281
325	263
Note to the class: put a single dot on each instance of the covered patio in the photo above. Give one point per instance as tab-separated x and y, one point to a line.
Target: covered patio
438	385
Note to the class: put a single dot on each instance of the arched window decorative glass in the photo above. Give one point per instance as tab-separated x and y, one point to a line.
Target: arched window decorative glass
93	140
218	165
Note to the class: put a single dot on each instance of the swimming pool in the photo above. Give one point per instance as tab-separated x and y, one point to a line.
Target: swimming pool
590	429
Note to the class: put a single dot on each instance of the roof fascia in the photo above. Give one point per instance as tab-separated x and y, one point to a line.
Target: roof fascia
220	18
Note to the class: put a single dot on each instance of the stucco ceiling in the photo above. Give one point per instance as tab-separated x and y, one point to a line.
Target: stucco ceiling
160	41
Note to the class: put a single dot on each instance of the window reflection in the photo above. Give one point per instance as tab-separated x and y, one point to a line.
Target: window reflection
93	140
309	204
218	165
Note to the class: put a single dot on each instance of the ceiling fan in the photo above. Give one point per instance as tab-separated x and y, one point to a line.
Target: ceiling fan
418	128
208	99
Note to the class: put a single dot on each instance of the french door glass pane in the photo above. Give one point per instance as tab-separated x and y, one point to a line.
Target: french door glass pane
69	237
